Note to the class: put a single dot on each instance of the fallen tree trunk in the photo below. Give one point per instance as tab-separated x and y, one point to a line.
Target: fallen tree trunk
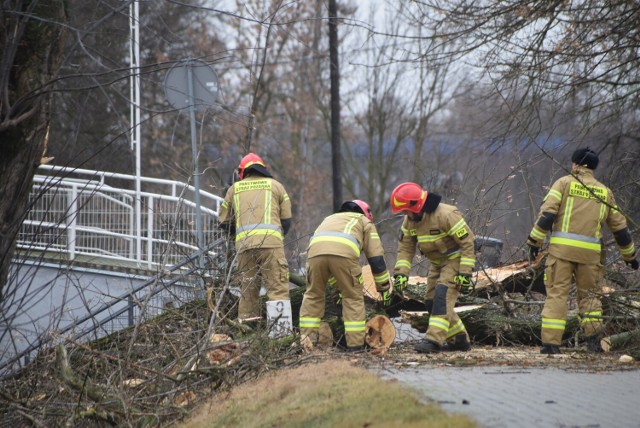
508	314
620	340
518	277
489	325
298	280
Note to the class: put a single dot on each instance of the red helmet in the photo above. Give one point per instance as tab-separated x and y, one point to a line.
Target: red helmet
356	206
247	161
365	208
408	197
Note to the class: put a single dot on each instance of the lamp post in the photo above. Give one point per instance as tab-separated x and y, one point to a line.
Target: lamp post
134	58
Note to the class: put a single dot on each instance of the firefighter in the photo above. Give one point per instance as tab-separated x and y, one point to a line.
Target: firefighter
574	211
257	210
334	254
444	238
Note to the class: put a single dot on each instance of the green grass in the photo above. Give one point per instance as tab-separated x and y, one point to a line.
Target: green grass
330	394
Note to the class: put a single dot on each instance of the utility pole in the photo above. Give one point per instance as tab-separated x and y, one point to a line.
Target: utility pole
336	156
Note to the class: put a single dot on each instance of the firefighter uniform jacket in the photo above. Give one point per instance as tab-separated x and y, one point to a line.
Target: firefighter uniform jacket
256	204
440	235
347	234
574	211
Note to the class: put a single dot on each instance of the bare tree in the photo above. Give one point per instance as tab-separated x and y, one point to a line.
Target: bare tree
562	68
31	46
550	76
396	135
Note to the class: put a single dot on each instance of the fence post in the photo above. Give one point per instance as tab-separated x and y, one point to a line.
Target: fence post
150	236
72	215
132	238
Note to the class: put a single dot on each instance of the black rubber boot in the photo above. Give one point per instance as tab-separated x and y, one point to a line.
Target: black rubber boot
550	349
460	343
427	347
593	344
354	349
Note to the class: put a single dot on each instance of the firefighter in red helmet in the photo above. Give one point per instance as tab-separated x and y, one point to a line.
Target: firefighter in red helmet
257	209
334	253
442	235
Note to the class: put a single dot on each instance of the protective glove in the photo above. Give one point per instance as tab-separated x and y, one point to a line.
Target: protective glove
339	299
633	264
400	282
463	282
533	251
386	297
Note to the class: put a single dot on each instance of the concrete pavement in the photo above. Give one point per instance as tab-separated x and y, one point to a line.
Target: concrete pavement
506	396
505	387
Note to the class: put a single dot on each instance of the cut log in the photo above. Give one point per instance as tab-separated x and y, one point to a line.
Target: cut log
185	398
222	349
380	334
620	340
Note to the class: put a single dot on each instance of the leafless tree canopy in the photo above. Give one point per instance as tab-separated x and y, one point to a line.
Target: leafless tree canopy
480	101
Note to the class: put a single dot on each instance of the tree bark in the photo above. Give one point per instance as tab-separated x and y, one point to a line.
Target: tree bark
31	46
489	325
620	340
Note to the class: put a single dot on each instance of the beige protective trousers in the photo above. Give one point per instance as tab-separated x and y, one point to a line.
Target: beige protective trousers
558	278
347	273
268	265
441	297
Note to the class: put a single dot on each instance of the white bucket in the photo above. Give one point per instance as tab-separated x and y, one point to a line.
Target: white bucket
279	318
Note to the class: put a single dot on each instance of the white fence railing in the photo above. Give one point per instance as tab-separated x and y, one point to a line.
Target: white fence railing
77	212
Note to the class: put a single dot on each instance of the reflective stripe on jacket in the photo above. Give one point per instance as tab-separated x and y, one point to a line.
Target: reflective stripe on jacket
579	206
256	204
348	234
440	235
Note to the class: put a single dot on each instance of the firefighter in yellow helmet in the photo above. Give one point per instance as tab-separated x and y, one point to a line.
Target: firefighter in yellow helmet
574	211
443	236
334	252
257	210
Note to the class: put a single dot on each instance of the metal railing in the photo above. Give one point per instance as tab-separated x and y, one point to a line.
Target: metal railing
78	212
136	305
108	221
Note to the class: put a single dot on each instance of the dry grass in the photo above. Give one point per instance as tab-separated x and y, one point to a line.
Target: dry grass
332	393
